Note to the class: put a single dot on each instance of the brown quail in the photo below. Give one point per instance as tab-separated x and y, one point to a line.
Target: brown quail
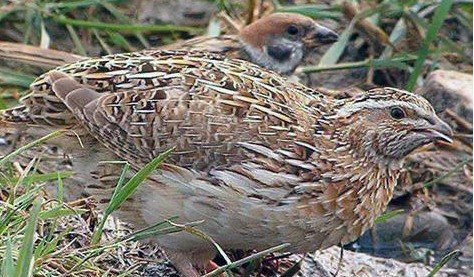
263	161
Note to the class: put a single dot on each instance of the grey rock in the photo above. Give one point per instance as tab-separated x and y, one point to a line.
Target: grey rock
358	264
449	90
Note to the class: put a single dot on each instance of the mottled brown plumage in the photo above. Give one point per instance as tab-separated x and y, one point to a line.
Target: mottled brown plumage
261	160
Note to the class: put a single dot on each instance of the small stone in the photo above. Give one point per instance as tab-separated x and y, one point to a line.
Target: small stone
449	90
426	229
358	264
164	269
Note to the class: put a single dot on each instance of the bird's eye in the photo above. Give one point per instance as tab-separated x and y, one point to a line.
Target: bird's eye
397	113
292	30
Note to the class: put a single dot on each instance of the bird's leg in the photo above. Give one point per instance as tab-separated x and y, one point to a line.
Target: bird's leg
211	266
192	264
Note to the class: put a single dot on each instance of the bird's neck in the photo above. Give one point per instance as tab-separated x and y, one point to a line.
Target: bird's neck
354	193
360	183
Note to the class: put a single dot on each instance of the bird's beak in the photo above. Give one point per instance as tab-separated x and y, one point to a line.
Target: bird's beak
439	130
322	35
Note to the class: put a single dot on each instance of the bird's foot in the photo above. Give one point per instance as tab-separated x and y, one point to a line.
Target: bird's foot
211	266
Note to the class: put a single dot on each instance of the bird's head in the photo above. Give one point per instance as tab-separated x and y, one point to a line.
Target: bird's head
281	40
388	123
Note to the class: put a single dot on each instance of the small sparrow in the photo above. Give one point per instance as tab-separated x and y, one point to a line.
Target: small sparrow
278	41
261	161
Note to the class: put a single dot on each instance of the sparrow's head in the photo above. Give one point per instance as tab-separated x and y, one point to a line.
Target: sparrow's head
281	40
388	123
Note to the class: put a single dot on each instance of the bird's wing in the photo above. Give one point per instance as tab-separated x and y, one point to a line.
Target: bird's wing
220	113
109	74
145	71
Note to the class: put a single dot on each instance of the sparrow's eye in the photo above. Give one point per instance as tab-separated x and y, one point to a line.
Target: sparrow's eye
397	113
292	30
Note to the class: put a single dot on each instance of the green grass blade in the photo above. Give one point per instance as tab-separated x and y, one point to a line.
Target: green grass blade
121	41
398	34
124	19
198	233
122	193
28	146
394	62
447	174
102	42
68	5
386	216
25	259
3	103
50	245
127	28
9	12
313	10
8	267
440	15
161	228
25	173
77	41
37	178
29	22
10	77
23	201
443	262
59	211
129	188
335	51
245	260
60	193
121	180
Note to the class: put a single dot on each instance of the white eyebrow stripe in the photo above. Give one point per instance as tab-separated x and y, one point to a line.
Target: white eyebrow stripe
376	104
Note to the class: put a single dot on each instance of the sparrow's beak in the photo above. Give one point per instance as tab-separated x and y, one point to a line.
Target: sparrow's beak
438	130
323	35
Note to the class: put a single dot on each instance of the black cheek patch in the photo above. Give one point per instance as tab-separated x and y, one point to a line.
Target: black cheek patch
279	52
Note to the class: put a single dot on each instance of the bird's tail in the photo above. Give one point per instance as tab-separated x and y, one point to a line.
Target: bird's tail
28	54
15	115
